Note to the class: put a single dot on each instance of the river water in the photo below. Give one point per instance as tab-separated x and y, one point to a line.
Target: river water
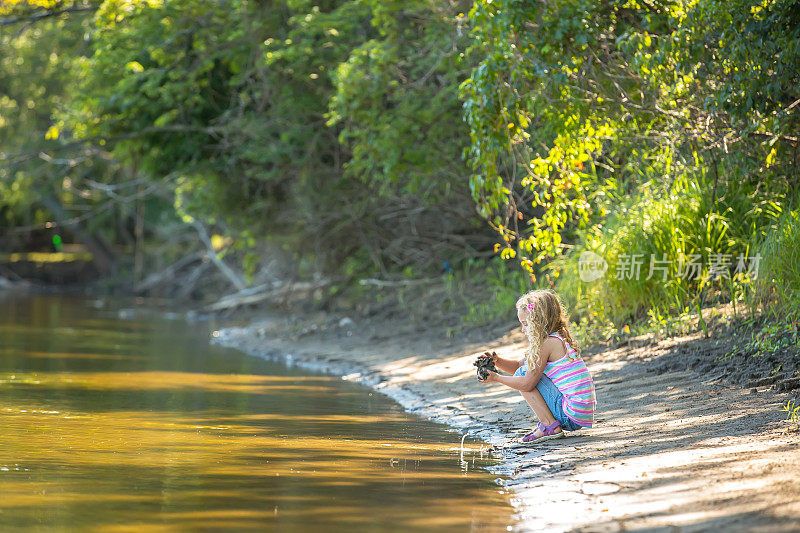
116	418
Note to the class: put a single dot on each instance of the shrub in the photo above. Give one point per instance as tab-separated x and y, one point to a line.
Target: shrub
778	283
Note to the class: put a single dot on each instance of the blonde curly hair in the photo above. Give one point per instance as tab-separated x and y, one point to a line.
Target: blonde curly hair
543	314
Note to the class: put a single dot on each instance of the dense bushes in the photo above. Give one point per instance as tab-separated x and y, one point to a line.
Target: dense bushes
636	130
778	285
330	128
370	138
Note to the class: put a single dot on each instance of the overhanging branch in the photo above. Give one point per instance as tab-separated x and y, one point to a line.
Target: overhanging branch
40	15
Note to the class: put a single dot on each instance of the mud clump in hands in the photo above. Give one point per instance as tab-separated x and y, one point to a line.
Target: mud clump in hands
485	363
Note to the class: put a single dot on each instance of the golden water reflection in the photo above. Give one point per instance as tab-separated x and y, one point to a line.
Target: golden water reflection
155	430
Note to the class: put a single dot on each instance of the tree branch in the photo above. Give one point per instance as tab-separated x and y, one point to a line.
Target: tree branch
36	17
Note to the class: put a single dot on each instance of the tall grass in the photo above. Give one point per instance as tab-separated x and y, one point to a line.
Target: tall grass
778	284
670	228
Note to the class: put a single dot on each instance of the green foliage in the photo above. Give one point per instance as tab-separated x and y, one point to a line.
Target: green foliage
392	103
287	119
158	85
633	129
486	291
772	338
755	45
364	135
35	172
331	127
778	286
793	412
516	129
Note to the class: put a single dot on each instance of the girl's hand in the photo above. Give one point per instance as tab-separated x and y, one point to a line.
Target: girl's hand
490	377
493	356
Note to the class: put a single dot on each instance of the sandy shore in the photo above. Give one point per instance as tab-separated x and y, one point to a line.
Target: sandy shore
671	450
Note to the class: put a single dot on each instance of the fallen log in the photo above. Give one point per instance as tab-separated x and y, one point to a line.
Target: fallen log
248	296
235	279
6	283
397	283
169	273
190	282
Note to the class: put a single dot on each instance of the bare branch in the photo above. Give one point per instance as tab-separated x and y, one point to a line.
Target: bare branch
18	158
41	15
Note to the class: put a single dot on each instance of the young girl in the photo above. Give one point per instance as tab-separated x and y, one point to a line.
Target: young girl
552	376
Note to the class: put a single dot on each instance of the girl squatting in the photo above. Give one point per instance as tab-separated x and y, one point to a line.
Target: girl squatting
552	376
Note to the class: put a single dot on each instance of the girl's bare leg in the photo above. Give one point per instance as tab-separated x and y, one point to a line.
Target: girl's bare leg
539	406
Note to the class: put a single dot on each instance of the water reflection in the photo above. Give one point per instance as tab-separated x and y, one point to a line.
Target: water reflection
141	424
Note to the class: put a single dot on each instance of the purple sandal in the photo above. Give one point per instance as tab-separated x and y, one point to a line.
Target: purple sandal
547	433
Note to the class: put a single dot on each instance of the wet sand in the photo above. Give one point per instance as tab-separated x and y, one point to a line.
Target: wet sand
671	450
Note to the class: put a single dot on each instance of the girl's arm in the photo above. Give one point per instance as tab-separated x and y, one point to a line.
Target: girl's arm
524	383
506	365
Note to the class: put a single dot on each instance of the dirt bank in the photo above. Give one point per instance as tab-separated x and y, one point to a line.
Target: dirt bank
673	449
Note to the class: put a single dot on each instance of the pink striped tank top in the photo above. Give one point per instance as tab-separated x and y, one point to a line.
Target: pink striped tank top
572	378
